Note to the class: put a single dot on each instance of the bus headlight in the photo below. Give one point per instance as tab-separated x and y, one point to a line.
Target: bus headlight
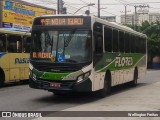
83	76
30	72
80	78
32	75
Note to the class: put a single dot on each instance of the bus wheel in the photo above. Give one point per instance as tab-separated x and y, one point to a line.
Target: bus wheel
107	86
133	83
1	78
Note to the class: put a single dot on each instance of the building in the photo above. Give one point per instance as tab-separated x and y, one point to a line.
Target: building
130	18
154	17
19	15
109	18
142	18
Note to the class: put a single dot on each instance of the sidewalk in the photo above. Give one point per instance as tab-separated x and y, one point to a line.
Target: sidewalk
144	98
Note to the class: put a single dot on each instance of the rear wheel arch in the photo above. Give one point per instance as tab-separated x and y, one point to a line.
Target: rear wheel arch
108	78
107	85
108	75
136	71
133	83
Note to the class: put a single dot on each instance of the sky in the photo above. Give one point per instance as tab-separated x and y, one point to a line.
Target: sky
108	7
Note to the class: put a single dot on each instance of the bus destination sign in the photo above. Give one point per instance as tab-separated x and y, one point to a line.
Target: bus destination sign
62	21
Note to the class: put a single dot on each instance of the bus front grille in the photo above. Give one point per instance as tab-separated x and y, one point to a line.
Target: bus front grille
47	67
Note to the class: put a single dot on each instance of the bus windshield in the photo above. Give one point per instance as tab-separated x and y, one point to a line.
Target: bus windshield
64	46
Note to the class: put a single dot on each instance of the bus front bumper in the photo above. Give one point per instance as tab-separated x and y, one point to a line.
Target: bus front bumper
64	86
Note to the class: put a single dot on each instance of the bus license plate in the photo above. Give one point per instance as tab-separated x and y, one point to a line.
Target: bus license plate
57	85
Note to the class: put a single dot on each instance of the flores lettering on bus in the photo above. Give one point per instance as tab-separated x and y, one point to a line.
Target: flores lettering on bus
123	61
21	60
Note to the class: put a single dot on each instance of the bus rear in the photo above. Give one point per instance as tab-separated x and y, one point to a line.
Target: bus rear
61	54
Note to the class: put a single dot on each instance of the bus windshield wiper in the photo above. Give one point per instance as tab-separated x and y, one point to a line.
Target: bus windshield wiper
69	38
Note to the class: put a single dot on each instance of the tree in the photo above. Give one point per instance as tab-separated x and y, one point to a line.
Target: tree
152	30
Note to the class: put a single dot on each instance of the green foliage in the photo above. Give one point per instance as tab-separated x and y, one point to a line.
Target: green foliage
154	47
152	30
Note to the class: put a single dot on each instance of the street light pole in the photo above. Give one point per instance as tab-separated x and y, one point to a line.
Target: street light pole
91	4
58	6
98	8
135	23
125	14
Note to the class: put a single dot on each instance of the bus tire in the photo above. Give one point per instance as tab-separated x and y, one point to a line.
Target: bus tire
133	83
107	86
2	78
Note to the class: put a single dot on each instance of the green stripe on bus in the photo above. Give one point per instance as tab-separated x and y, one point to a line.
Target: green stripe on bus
49	75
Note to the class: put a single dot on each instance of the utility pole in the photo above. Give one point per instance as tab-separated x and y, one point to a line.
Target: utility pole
125	14
57	6
60	7
90	4
142	11
135	22
98	8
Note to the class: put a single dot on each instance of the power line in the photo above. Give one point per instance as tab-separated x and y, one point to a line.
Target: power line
115	3
101	10
122	2
154	8
73	8
82	11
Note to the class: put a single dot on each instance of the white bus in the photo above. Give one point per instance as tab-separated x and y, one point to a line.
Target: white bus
84	53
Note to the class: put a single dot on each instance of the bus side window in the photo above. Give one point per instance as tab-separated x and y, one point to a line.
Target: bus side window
11	47
14	43
99	44
108	37
19	46
26	44
121	41
127	42
98	38
2	43
115	41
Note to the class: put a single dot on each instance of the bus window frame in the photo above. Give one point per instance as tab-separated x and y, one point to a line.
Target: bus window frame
4	39
24	45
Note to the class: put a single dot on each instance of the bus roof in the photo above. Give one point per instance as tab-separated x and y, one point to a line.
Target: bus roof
14	31
118	26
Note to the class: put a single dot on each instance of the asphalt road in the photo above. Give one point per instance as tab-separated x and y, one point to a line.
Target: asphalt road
22	98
